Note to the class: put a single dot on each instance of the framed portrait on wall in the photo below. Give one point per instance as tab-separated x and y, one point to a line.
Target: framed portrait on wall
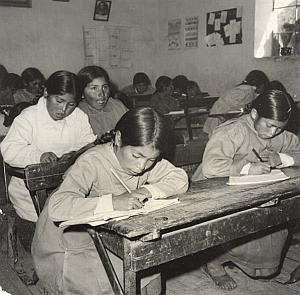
102	10
16	3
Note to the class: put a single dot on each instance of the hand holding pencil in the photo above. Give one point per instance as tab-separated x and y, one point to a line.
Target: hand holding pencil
130	200
261	167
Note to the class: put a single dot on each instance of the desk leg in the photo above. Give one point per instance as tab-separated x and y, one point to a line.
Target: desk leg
130	277
112	276
130	283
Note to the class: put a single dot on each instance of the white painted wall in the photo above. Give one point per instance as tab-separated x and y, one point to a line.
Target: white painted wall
49	35
218	69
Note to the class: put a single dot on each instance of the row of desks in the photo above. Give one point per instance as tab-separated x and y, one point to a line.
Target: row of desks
211	213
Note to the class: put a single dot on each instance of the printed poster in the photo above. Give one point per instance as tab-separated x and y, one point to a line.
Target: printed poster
191	32
174	34
107	46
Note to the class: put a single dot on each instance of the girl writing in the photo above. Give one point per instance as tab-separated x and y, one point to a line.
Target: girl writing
230	152
66	261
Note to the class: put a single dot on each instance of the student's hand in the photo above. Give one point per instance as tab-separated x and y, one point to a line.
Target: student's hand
259	168
272	158
142	194
48	157
126	202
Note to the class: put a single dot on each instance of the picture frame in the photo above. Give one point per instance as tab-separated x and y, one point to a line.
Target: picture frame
16	3
102	10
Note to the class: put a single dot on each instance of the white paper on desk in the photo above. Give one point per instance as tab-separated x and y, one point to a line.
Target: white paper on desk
275	175
105	217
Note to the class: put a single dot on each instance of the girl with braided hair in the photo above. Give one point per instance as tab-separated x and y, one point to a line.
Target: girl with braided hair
66	261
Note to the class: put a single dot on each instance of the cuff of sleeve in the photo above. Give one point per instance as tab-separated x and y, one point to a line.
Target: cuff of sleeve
156	194
286	160
245	169
104	204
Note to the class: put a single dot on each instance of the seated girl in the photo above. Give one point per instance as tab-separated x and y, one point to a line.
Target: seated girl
6	97
236	98
33	81
66	261
229	152
193	90
103	111
43	133
162	100
141	85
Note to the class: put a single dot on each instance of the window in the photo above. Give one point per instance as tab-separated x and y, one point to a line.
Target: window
277	28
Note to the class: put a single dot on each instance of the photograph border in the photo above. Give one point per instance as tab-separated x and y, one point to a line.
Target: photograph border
105	18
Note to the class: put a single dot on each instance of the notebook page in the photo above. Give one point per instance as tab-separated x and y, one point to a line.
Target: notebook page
105	217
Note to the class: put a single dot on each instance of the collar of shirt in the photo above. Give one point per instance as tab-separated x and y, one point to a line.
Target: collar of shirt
44	116
107	108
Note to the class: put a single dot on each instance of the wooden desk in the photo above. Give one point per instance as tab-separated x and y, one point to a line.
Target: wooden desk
209	214
187	114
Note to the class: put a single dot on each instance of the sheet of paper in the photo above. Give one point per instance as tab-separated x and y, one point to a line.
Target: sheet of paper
239	11
211	18
217	24
275	175
223	16
105	217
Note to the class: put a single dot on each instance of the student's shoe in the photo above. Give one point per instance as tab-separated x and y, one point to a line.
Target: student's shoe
224	282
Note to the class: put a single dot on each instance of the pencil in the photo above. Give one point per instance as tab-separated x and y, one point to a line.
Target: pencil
257	155
120	180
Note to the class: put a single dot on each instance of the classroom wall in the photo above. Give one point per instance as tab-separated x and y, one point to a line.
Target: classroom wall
220	68
49	35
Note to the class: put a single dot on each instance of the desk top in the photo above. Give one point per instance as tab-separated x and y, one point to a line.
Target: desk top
205	201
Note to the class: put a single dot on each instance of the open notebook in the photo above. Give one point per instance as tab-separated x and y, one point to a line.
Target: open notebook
105	217
275	175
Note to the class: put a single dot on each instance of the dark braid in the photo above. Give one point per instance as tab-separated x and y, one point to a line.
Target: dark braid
106	137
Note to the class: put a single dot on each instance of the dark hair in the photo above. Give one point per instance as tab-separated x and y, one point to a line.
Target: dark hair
31	74
161	82
87	74
63	82
140	127
141	78
180	83
273	104
15	111
13	81
3	71
294	120
256	78
191	84
275	84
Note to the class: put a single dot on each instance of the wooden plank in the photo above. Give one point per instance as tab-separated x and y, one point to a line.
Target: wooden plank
46	175
208	200
182	242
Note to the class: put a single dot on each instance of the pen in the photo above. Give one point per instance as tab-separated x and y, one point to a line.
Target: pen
257	155
121	181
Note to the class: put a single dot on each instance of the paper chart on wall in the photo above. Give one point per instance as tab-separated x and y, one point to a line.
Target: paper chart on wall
107	46
191	32
174	34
